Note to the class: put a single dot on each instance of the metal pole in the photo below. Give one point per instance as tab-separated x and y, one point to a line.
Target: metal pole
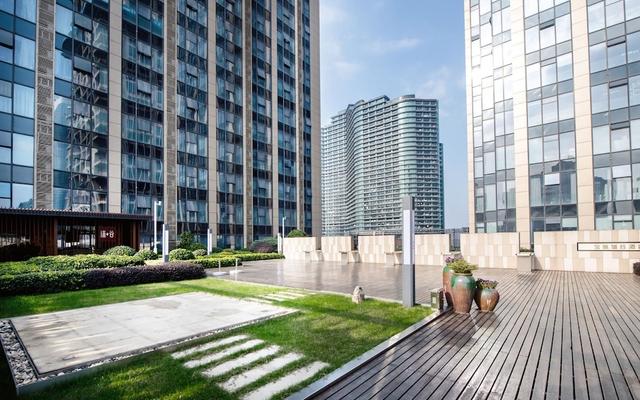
165	243
155	226
209	241
408	252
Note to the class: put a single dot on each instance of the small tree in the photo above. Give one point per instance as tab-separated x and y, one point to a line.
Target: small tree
296	233
186	240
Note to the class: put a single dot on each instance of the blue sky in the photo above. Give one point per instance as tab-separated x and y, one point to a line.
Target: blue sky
373	47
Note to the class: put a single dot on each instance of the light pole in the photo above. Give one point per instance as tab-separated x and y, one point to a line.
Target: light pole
283	219
156	204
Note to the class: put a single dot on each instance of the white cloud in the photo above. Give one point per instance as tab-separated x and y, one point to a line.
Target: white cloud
382	47
331	14
346	68
437	85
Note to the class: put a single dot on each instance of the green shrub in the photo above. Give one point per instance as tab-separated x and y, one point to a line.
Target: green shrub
259	256
269	245
147	254
19	251
17	267
85	261
57	281
212	262
120	251
460	266
186	240
180	254
296	233
199	253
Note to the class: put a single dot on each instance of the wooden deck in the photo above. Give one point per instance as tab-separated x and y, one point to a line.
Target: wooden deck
566	335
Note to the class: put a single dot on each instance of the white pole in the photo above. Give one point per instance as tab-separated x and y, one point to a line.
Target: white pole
408	252
209	241
155	226
165	243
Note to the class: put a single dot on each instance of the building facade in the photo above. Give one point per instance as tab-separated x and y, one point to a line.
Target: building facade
209	107
375	152
553	114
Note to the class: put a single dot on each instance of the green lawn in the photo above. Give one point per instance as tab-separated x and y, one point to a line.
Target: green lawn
328	328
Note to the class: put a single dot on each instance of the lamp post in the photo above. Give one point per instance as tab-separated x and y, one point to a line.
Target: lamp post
283	219
156	204
408	252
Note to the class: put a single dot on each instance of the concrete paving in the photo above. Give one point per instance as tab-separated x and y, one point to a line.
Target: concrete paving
68	339
291	379
378	280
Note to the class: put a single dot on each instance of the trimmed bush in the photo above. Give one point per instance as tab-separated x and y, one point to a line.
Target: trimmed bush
212	262
259	256
41	282
49	282
199	253
19	251
87	261
101	278
180	254
17	267
120	251
296	233
269	245
147	254
636	268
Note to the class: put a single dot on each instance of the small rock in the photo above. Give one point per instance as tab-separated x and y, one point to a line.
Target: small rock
358	295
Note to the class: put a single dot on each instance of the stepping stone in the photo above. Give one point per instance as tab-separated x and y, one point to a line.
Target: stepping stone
258	300
276	297
294	294
289	296
239	381
293	378
208	346
240	361
224	353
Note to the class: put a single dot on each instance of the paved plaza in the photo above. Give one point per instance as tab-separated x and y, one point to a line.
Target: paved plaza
378	280
67	339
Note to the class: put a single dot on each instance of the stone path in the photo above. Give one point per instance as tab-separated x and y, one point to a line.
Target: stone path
277	297
237	362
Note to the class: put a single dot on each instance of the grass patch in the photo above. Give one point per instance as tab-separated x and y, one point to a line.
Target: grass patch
327	328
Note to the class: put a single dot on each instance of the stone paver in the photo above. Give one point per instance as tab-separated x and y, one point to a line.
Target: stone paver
242	361
246	378
68	339
291	379
208	359
378	280
209	346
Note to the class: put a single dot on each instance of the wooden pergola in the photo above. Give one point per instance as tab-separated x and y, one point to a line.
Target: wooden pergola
52	229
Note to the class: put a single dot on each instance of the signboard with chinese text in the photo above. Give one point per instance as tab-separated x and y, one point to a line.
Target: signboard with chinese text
609	246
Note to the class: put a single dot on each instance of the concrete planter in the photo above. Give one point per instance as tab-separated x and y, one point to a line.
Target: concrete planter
463	288
525	262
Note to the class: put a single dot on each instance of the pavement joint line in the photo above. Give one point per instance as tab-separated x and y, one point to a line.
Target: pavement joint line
273	297
223	353
281	296
259	300
208	346
245	378
291	379
241	361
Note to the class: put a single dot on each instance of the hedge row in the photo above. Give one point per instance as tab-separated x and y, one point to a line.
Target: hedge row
211	261
50	281
88	261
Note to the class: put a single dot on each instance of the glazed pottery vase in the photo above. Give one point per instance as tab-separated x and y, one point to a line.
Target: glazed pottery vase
446	284
487	299
463	287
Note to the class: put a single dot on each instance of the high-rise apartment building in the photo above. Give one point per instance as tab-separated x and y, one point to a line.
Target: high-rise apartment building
210	107
553	114
373	153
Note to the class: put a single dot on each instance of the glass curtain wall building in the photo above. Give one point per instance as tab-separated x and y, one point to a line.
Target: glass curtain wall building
553	115
210	108
374	153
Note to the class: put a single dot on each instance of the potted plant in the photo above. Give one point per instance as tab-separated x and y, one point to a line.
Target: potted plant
446	277
525	260
487	295
463	285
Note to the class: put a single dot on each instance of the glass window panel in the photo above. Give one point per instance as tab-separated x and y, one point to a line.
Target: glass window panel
602	184
535	150
634	90
600	98
547	37
565	68
621	189
632	8
62	110
25	52
64	20
568	187
563	28
598	57
550	110
548	73
23	100
635	134
5	155
636	181
534	113
530	8
533	76
633	47
63	66
614	12
551	152
618	97
616	55
565	106
23	150
596	16
604	223
532	39
489	163
7	5
620	171
22	196
601	140
61	156
490	197
26	9
620	139
567	146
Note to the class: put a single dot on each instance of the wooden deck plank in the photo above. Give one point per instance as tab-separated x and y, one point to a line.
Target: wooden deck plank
567	335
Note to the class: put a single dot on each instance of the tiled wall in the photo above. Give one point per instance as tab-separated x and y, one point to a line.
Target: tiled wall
559	251
333	247
374	249
490	250
430	249
300	248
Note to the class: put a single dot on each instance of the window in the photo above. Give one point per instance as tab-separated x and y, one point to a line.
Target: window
597	57
62	110
602	184
563	28
535	150
533	76
534	113
64	21
25	54
23	100
26	9
616	55
599	98
22	196
547	37
596	16
565	68
63	66
601	140
565	106
618	97
620	139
